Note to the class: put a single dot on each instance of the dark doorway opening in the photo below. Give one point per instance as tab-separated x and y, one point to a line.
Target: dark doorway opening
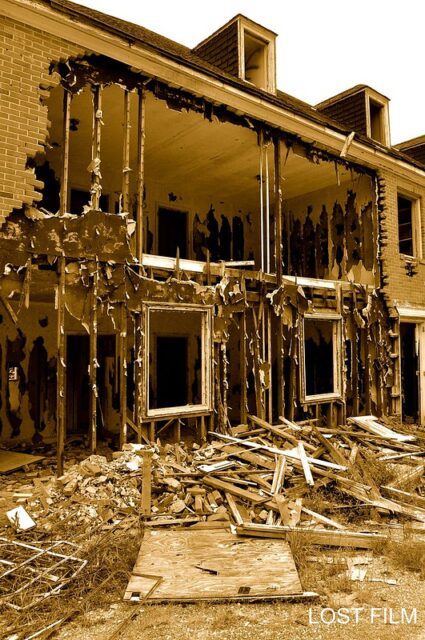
409	369
77	380
171	371
172	232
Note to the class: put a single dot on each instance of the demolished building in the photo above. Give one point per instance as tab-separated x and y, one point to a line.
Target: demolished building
182	244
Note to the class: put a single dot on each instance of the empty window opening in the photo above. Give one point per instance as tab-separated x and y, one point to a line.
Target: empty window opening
377	127
172	232
179	360
321	357
409	372
405	226
255	60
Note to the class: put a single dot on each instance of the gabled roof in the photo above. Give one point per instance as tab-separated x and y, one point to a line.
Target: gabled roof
348	93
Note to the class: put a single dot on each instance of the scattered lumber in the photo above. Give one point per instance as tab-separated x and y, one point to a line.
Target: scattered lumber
313	536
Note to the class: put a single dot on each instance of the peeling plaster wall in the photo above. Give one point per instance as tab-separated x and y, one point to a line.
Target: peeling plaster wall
349	212
36	325
200	228
25	56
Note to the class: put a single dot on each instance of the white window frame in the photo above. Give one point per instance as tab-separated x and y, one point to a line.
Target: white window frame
336	320
206	360
416	224
269	54
372	96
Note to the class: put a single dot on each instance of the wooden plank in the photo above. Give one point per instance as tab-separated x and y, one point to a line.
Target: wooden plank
278	431
227	487
410	478
250	456
314	536
324	519
289	453
65	161
371	424
404	496
237	516
12	460
306	468
213	565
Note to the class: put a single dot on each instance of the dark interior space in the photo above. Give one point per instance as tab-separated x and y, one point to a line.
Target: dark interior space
409	368
319	365
172	232
171	372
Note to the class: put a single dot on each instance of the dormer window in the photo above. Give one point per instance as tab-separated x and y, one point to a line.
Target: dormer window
377	119
255	60
257	57
244	49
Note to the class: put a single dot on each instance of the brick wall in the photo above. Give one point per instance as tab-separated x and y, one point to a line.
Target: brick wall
398	285
25	56
222	50
350	111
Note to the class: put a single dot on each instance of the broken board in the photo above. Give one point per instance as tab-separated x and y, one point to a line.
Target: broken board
11	460
213	566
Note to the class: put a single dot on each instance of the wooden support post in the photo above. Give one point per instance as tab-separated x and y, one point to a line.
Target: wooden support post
140	176
125	204
177	431
280	370
65	150
203	429
123	373
93	365
60	387
354	359
269	361
96	187
278	210
146	483
138	373
151	434
243	368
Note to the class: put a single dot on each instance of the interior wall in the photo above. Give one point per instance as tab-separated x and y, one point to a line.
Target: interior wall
329	232
28	355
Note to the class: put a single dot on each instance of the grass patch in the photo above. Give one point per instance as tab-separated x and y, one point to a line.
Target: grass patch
408	555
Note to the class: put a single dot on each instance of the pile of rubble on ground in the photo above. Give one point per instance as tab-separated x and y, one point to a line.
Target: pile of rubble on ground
333	484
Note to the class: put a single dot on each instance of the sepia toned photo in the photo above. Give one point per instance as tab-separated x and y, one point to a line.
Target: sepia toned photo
212	321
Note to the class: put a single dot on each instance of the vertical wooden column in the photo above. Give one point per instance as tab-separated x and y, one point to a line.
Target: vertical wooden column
96	187
138	373
60	385
126	154
93	365
140	175
123	373
146	483
269	361
243	367
278	210
65	150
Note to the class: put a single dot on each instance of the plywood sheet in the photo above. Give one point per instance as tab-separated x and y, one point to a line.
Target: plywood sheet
11	460
212	565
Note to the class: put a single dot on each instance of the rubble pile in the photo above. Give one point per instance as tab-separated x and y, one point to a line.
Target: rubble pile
263	476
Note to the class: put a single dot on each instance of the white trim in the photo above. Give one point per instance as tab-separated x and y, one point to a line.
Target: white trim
336	394
206	405
411	314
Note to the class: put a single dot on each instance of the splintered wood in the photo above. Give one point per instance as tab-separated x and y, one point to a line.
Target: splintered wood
213	566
